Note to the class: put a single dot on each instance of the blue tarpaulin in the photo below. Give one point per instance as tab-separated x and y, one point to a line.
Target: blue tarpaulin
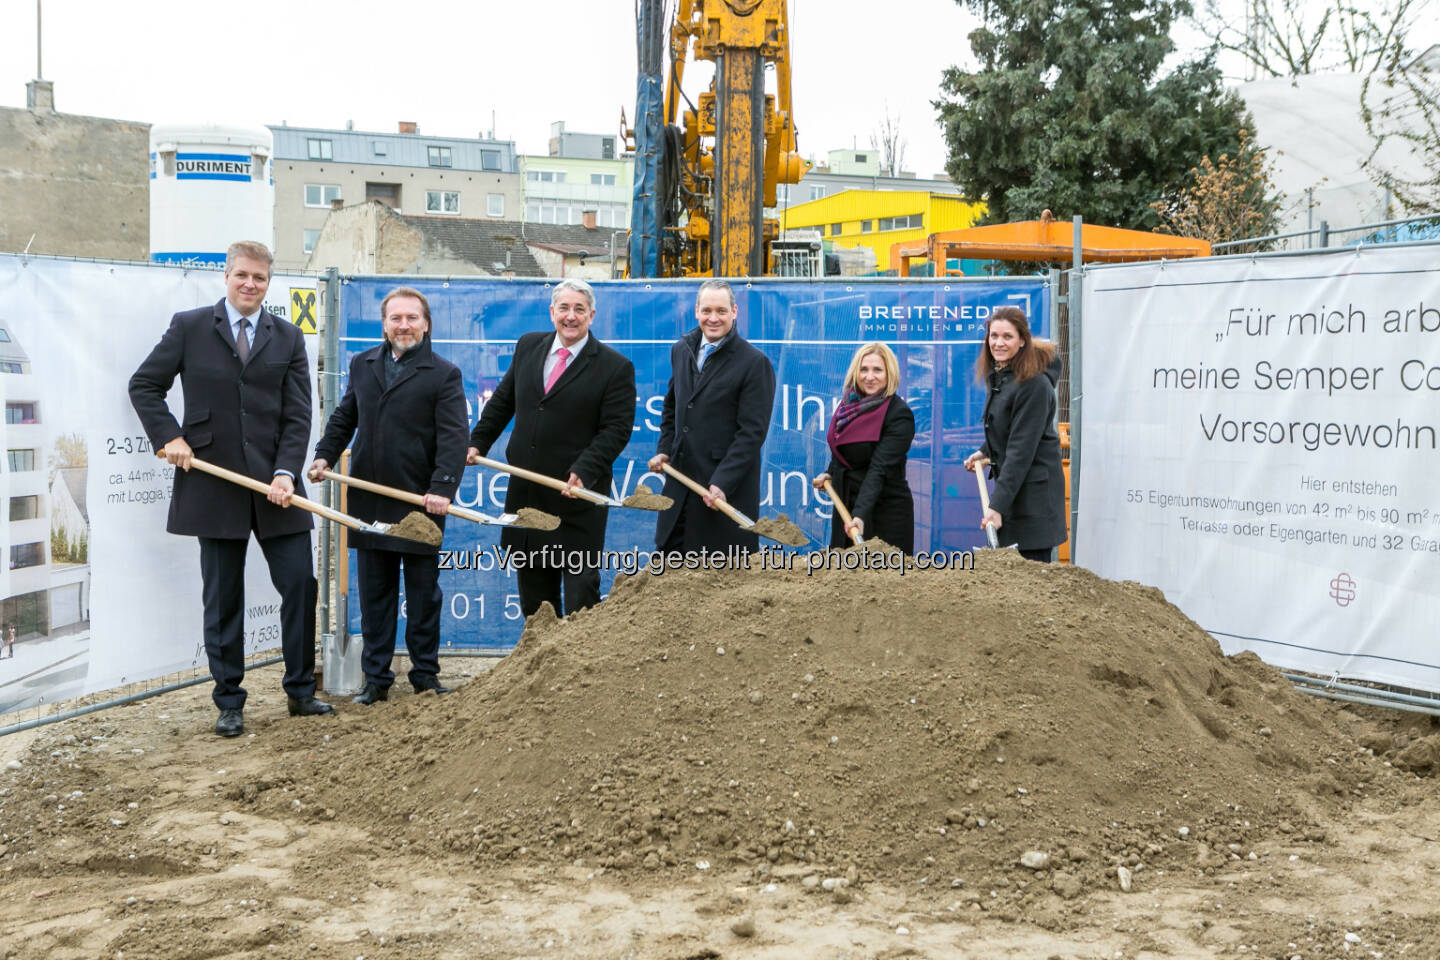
808	329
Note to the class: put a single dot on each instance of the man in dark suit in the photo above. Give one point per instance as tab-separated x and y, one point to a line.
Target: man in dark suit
405	408
712	428
246	381
573	402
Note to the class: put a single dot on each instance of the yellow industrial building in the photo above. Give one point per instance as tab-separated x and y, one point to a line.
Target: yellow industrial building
879	218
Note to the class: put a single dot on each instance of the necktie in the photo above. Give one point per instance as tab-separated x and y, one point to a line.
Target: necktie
563	356
242	340
706	349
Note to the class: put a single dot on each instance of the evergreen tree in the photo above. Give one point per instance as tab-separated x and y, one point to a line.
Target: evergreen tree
1069	110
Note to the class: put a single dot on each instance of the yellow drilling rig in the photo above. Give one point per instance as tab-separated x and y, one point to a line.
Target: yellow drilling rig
705	170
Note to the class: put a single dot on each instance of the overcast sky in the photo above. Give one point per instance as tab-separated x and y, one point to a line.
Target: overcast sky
452	65
462	67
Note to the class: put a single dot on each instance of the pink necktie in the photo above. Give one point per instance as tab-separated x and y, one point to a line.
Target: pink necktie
564	356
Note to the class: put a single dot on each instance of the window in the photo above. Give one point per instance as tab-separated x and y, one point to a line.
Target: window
20	413
21	461
11	366
835	229
816	193
545	176
320	149
379	147
860	158
607	148
386	193
311	237
4	335
494	204
782	193
913	222
439	156
489	159
30	613
602	179
24	508
865	225
27	555
320	194
532	211
442	201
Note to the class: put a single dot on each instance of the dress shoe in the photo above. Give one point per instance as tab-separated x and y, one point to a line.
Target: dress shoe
230	724
429	683
308	707
372	693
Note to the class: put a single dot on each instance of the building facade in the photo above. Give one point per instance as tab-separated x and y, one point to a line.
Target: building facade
371	237
879	218
584	172
73	186
854	170
317	169
25	582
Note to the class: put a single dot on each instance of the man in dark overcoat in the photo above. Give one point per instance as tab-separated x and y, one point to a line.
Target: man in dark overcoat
405	409
246	381
573	402
713	428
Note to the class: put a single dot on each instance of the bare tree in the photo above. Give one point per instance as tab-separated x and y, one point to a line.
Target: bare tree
889	142
1401	105
1286	38
1229	198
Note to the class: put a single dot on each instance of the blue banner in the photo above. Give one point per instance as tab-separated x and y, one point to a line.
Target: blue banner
808	329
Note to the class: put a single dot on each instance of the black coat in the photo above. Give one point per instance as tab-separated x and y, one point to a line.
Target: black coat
713	427
1024	451
410	436
873	488
579	427
252	418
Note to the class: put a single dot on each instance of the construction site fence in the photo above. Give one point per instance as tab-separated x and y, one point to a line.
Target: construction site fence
1339	589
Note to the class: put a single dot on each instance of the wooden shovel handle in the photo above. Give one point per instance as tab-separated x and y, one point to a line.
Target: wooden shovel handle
258	486
845	517
721	505
544	480
403	495
985	499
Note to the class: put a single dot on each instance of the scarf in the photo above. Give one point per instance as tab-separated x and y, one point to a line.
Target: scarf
857	420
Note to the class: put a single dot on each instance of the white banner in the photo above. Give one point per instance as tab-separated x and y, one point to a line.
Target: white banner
1259	440
97	593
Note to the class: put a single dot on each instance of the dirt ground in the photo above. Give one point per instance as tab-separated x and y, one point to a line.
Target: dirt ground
849	764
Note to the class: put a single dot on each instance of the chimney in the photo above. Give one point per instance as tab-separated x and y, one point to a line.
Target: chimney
409	126
40	96
588	218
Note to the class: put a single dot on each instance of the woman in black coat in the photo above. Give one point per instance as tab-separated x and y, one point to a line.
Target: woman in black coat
869	438
1027	505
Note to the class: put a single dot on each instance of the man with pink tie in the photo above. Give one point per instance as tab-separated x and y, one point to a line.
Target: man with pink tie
572	399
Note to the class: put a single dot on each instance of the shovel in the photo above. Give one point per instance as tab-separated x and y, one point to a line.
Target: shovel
652	502
797	538
412	529
845	517
985	501
504	520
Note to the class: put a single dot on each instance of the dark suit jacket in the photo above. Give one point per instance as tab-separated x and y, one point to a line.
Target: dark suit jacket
579	427
713	427
254	419
874	487
411	436
1024	451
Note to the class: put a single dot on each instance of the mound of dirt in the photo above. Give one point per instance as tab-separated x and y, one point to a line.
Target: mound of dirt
930	725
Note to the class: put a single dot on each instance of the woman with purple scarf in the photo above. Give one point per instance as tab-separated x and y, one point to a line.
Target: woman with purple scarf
869	438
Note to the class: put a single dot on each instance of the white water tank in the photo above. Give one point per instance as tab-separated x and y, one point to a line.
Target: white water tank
210	185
